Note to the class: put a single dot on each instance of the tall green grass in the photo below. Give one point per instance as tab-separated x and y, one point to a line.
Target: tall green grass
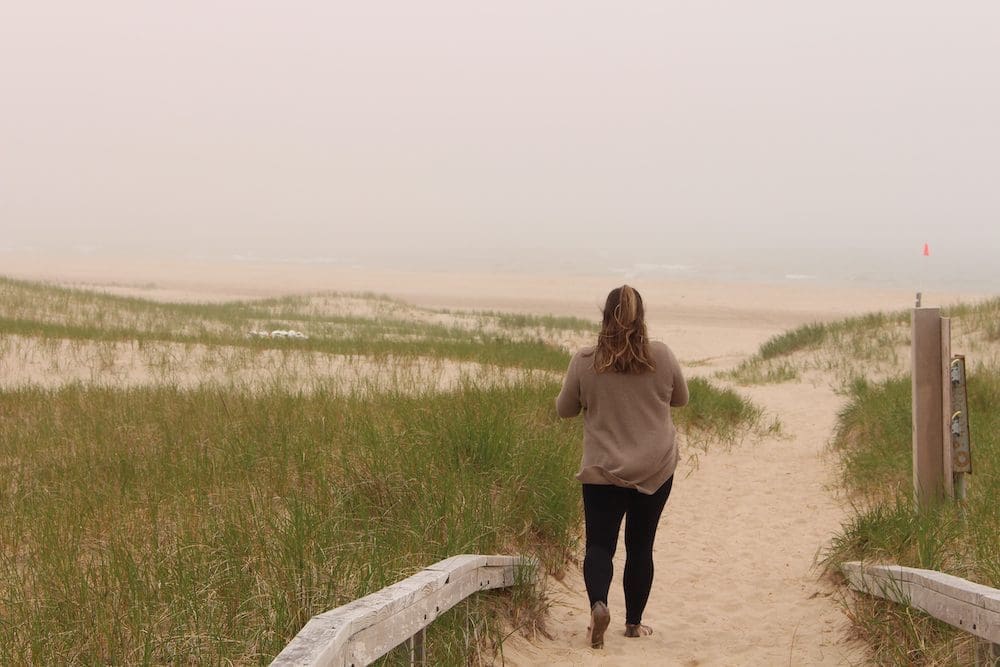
155	525
804	337
873	437
720	416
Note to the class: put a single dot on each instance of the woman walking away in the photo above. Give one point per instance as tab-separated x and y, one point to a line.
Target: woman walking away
625	386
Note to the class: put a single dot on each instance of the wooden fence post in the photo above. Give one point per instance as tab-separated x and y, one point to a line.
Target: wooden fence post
987	654
418	650
928	403
947	475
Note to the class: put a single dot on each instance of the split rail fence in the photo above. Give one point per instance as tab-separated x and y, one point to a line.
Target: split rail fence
364	630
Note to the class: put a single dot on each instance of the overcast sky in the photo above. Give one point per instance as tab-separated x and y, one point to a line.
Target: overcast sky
314	128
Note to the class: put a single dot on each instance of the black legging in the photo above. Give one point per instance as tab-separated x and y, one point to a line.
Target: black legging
604	506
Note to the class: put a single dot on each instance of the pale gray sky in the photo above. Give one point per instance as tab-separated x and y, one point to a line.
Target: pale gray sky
315	128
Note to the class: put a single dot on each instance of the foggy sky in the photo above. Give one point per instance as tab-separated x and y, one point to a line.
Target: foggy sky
315	128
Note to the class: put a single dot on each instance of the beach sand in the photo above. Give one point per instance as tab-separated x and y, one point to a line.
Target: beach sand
736	581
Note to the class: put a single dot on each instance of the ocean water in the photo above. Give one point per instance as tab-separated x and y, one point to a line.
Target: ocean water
848	268
974	270
968	272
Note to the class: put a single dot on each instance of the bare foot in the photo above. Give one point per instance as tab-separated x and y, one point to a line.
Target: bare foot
637	630
599	619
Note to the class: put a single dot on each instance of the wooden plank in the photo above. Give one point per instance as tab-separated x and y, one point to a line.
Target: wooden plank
376	640
962	615
322	642
861	571
390	600
365	629
498	560
959	588
457	566
963	604
946	584
928	466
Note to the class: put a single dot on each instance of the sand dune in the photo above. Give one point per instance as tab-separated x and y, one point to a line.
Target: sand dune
51	363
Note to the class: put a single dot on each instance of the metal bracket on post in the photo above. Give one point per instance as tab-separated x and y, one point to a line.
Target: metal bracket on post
961	446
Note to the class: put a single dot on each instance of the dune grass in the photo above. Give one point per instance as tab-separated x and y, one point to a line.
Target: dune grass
865	346
720	416
158	524
155	525
804	337
848	348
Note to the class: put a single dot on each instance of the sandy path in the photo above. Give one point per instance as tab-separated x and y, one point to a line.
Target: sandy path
735	576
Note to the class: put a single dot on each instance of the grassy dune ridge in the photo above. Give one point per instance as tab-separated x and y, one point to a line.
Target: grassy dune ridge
158	524
869	359
869	345
383	327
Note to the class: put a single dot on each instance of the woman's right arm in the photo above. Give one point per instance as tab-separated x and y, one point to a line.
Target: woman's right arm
568	402
679	396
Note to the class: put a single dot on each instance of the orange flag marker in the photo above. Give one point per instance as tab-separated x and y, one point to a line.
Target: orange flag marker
927	250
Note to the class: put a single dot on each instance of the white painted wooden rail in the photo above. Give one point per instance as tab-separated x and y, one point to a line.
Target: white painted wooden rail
362	631
966	605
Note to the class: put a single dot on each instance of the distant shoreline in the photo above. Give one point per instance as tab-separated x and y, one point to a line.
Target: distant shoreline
860	269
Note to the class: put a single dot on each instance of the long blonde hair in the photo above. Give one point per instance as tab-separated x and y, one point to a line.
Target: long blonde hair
622	345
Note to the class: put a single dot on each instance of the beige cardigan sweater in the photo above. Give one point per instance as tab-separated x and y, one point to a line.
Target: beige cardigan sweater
628	436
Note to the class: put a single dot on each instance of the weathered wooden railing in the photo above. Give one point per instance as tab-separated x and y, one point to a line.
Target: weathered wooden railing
968	606
362	631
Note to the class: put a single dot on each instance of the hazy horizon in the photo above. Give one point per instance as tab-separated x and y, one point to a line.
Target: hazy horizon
657	133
